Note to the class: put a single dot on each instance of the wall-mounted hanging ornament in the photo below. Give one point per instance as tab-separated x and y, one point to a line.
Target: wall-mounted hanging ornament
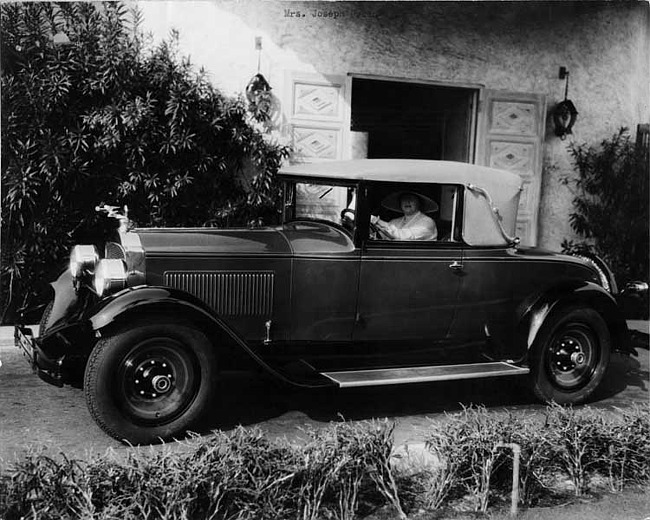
258	91
565	112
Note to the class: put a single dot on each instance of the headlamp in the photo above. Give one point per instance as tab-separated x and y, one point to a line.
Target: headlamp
110	276
83	260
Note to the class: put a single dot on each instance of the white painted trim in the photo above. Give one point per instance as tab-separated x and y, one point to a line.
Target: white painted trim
432	82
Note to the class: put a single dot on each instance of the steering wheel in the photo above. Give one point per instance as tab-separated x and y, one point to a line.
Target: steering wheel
347	218
375	232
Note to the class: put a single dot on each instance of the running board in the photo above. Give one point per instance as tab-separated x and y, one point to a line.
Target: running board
397	376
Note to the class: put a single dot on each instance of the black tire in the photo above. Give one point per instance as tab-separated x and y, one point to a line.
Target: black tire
151	381
570	356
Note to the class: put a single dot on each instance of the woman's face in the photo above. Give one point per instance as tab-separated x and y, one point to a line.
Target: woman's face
410	204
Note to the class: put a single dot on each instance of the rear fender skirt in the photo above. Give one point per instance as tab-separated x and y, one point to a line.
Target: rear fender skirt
155	300
534	311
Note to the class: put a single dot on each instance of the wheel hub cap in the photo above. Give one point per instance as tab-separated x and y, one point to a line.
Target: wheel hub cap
153	378
161	384
578	359
569	355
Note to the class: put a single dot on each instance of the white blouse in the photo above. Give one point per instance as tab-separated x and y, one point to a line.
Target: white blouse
416	227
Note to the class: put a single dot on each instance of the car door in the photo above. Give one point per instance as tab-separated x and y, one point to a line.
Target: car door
325	270
408	293
486	306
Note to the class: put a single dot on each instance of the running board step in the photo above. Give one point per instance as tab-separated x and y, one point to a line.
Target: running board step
397	376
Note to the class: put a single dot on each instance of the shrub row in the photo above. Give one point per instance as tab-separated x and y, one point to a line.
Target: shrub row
344	471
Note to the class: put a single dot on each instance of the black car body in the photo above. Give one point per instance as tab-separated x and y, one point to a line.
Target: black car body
324	300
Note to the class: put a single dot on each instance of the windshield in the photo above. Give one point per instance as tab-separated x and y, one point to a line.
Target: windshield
335	204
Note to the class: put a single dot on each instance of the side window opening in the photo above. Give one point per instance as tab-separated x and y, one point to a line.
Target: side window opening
323	202
437	202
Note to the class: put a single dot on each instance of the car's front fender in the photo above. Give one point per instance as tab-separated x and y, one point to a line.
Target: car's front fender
534	311
145	299
164	302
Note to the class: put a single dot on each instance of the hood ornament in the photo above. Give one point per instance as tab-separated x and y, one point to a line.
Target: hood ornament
121	214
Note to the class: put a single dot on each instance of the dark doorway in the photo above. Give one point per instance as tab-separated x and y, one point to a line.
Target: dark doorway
413	120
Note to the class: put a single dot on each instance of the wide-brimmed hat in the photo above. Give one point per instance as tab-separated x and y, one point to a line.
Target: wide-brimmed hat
392	202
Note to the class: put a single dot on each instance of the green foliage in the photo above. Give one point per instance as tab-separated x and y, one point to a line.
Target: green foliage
467	445
239	475
611	205
107	117
576	444
627	457
344	471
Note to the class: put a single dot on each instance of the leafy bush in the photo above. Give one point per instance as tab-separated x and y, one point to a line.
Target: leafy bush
611	205
344	471
535	470
45	488
627	457
107	117
576	443
467	445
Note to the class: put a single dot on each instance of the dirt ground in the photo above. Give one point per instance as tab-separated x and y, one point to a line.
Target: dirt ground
35	415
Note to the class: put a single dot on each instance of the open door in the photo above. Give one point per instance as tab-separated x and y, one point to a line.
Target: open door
510	137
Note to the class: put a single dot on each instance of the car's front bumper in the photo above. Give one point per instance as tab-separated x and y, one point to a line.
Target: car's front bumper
48	369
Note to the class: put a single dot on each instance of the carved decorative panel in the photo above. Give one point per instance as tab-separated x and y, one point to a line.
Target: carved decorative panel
512	156
524	198
320	101
514	118
316	143
511	137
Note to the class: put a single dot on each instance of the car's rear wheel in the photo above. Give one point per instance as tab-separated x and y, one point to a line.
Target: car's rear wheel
150	381
570	356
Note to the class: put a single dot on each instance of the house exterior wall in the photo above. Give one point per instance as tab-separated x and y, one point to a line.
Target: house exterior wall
503	45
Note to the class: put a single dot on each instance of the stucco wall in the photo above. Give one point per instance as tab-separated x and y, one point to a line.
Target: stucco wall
511	46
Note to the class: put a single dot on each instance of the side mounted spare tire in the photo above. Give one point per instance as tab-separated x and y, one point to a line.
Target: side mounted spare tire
150	381
570	355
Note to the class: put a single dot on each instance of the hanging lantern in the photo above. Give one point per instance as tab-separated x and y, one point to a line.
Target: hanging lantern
565	113
256	85
564	117
260	99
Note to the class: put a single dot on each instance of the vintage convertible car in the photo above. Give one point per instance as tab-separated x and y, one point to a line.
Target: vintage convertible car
326	300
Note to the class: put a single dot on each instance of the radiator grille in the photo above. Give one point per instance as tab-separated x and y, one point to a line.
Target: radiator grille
113	250
229	293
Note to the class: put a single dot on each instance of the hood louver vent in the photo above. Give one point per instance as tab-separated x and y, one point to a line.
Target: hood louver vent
229	293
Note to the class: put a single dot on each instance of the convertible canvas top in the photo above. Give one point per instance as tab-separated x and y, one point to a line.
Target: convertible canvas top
404	170
491	195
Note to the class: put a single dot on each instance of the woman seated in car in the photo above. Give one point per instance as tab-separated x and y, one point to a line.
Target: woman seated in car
414	224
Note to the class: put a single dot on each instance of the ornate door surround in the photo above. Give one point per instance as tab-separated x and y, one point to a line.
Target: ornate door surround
317	111
510	137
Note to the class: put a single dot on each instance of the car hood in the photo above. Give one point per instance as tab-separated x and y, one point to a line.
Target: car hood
188	241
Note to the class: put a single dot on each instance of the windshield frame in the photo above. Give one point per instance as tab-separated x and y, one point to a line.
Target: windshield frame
289	201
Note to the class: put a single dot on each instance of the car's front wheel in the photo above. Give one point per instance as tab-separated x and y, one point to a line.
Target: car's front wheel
570	356
150	381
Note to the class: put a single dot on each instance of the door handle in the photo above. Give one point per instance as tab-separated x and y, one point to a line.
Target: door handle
456	266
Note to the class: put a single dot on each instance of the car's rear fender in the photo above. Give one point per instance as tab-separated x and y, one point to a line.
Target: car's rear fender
535	310
134	303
